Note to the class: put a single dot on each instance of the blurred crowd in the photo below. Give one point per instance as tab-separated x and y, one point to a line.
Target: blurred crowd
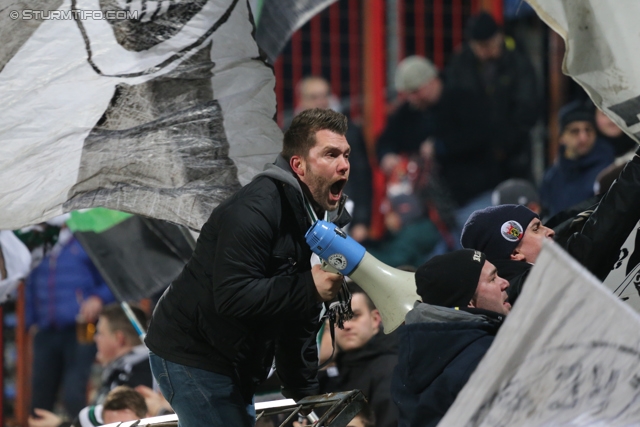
457	140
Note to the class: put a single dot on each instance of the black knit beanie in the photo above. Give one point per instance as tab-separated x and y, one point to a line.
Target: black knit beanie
481	27
576	112
496	230
450	280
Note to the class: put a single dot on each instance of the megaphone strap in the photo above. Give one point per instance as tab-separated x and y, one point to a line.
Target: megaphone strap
332	333
312	214
340	311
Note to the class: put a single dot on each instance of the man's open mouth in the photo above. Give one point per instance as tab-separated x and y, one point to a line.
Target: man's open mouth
336	187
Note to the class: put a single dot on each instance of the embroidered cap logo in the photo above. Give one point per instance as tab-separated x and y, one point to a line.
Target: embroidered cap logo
511	231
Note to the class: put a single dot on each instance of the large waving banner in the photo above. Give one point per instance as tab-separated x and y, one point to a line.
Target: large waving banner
137	256
567	355
279	19
602	44
162	108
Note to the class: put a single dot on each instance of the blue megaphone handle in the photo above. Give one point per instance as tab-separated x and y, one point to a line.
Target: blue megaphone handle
333	245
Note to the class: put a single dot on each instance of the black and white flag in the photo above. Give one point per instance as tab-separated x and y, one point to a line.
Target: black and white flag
602	43
161	108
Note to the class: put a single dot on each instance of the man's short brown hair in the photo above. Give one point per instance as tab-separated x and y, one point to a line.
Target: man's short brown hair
301	135
118	321
124	397
355	289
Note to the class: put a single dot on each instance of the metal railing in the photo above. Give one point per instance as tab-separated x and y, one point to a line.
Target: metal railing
340	408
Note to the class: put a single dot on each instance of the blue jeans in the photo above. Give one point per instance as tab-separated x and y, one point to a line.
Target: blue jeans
201	398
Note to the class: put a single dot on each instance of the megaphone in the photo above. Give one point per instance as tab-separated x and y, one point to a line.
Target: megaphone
392	291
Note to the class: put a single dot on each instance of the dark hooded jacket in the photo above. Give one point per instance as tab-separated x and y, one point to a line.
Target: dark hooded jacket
369	370
439	350
247	293
598	237
571	181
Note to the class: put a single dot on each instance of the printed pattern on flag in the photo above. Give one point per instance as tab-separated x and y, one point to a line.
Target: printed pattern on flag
164	115
602	41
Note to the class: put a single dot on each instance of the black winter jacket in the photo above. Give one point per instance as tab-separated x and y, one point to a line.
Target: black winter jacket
407	128
439	350
369	370
504	97
464	139
247	293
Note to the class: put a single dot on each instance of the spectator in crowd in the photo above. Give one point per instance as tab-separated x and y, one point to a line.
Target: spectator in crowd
249	294
512	236
120	405
123	404
315	92
410	237
445	337
156	403
123	356
365	359
364	418
125	360
581	158
479	123
610	132
517	191
414	121
65	287
502	84
406	146
603	181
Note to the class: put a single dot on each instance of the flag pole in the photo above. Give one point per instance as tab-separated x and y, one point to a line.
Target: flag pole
134	321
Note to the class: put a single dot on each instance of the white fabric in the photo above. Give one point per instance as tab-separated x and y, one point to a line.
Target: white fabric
52	98
17	261
85	419
567	355
602	44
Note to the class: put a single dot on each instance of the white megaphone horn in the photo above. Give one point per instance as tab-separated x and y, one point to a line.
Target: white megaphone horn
392	291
